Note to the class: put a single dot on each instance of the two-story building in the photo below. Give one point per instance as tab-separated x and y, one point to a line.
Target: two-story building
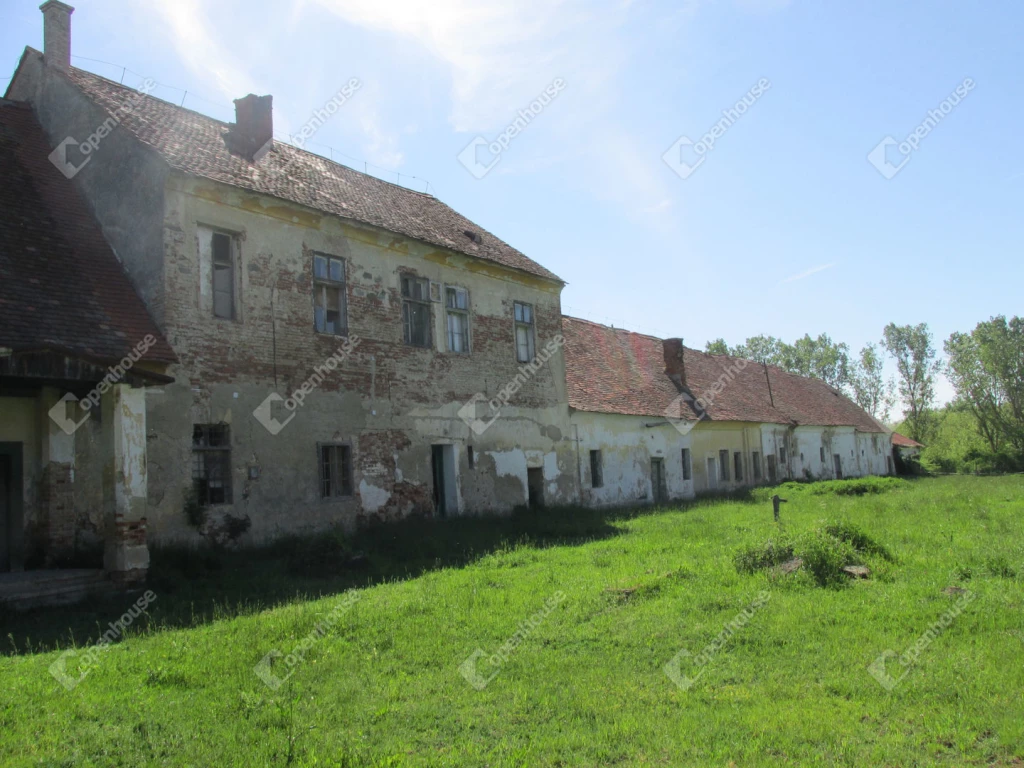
343	345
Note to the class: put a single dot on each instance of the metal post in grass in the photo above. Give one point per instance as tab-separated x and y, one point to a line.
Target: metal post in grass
776	501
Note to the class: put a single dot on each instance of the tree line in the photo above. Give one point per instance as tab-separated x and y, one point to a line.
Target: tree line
983	428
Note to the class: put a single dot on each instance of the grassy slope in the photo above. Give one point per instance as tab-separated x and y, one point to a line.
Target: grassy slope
587	687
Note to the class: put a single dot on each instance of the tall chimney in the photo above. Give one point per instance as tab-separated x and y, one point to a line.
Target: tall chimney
57	33
253	132
675	365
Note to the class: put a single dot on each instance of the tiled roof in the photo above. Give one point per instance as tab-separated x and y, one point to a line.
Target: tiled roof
615	371
902	441
194	144
61	286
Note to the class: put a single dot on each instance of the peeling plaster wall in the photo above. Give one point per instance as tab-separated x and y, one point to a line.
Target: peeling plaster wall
627	447
711	437
388	401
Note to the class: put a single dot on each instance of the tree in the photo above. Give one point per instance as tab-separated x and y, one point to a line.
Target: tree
761	349
717	347
911	347
819	358
870	390
986	368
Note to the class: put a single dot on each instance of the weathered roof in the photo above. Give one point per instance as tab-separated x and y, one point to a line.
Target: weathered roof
62	287
194	144
902	441
609	370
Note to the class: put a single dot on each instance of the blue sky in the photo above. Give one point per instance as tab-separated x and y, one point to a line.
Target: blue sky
785	227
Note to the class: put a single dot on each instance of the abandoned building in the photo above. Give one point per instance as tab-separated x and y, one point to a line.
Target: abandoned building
656	420
276	343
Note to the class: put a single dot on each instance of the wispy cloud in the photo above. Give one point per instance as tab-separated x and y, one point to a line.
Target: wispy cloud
808	273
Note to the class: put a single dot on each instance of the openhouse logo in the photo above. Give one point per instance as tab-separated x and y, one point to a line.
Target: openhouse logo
470	154
264	411
879	156
685	155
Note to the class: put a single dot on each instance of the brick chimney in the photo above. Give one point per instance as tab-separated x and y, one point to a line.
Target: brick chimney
675	365
252	135
57	33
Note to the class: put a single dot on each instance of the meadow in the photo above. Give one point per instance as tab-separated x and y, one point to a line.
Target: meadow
564	637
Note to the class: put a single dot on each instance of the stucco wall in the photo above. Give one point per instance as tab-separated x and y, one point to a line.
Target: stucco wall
627	446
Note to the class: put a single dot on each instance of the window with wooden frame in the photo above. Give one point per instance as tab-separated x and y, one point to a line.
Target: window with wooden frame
330	301
416	310
525	334
335	469
211	463
456	302
596	470
687	467
222	251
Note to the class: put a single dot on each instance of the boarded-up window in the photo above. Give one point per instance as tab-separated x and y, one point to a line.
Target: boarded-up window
330	302
335	470
457	310
596	470
416	310
524	332
222	250
687	467
211	463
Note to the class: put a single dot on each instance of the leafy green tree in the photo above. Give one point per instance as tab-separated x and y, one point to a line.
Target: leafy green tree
911	347
819	358
986	368
761	349
870	389
717	347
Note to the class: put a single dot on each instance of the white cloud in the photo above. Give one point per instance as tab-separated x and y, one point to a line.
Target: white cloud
808	273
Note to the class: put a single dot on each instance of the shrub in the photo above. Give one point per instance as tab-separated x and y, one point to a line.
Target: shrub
757	557
857	538
825	556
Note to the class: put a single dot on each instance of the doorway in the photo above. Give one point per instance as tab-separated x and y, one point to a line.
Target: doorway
535	487
658	480
442	468
712	474
837	461
10	506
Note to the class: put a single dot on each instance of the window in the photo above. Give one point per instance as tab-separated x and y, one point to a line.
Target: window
596	474
755	460
524	332
723	465
335	470
782	453
456	302
823	454
771	468
687	467
330	303
737	460
222	250
211	463
416	310
470	456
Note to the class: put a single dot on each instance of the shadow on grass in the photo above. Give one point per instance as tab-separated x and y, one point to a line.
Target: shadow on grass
194	586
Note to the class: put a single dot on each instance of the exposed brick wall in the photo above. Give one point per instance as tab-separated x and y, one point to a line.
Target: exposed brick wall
57	499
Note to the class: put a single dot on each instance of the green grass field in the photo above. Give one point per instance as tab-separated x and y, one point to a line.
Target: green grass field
576	615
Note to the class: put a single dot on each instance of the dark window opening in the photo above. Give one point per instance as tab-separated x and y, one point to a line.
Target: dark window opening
335	470
738	466
211	463
470	456
687	467
416	310
755	458
221	246
723	465
596	470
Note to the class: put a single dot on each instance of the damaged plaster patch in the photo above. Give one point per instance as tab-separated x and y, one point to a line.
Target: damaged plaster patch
373	497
